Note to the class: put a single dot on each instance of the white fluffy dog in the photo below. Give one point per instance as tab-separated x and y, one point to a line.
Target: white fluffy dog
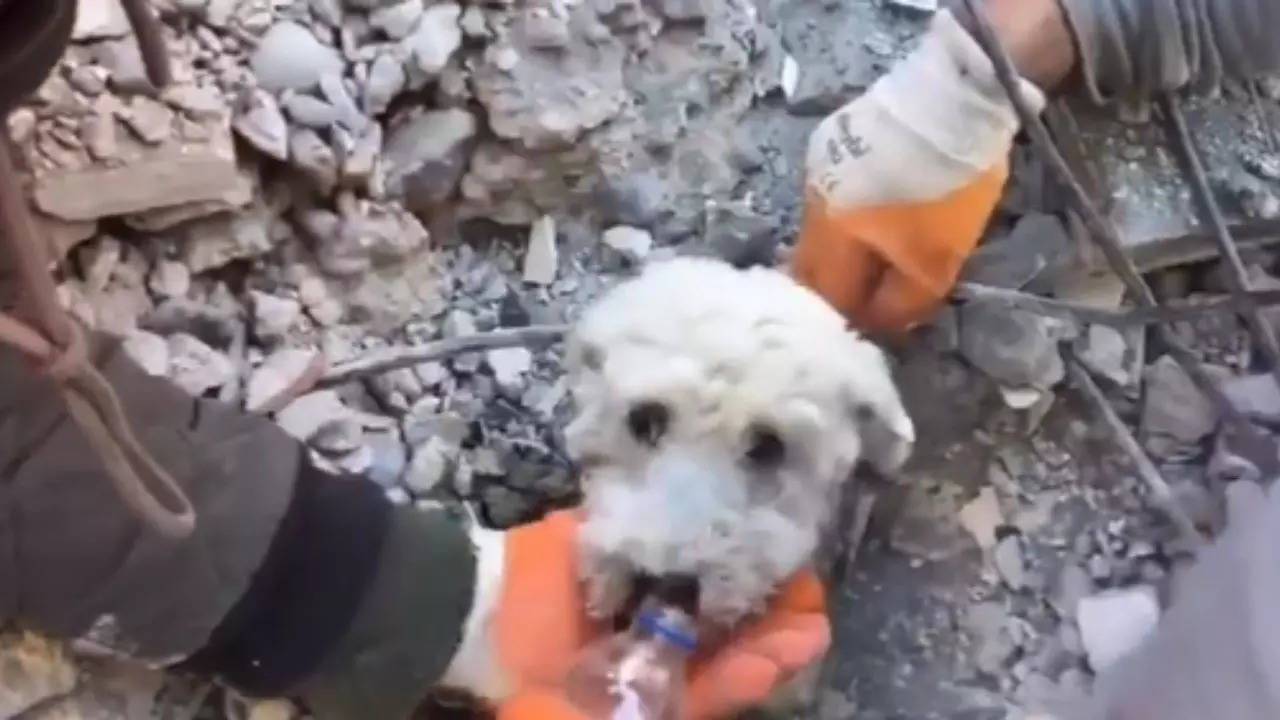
718	412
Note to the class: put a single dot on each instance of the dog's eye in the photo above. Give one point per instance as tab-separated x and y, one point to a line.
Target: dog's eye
765	448
648	421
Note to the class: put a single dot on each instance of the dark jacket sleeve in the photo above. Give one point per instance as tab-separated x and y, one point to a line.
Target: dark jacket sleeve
75	562
1132	49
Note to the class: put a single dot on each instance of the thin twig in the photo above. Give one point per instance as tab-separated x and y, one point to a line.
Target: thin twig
1211	215
386	359
1100	229
1161	493
1128	317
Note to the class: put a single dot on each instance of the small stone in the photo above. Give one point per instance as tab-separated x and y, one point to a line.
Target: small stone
169	278
429	466
1102	349
290	57
423	422
1038	244
1174	411
148	350
88	79
398	20
309	111
22	123
148	119
360	160
334	90
1073	584
541	257
981	517
386	80
1114	623
1253	394
199	102
473	23
427	156
509	366
683	10
544	29
217	240
314	158
304	415
262	124
98	133
273	315
389	458
1013	346
1100	569
459	323
328	12
281	372
436	38
337	437
923	7
195	367
98	19
1010	562
123	61
632	243
32	670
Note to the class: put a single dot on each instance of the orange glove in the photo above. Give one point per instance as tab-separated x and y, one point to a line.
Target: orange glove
541	627
901	182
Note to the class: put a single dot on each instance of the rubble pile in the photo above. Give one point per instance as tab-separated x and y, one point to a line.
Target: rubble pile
326	178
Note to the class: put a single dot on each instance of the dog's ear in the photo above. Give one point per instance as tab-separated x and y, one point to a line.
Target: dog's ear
884	427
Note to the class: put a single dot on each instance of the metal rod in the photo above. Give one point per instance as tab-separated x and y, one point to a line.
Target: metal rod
1211	215
150	34
1100	229
386	359
1161	493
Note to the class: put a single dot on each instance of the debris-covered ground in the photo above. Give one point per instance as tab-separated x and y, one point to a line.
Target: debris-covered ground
330	177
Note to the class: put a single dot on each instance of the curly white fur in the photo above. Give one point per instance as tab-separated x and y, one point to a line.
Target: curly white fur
728	355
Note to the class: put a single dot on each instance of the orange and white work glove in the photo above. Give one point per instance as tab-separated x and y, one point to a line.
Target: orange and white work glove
900	182
539	628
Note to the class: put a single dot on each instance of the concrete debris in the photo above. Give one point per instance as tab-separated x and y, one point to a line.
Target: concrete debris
1010	562
386	80
427	155
982	517
1014	347
148	350
273	315
1103	350
213	242
305	415
314	158
261	122
309	111
195	367
98	19
1174	411
541	257
1037	245
509	366
632	243
33	670
289	57
397	21
435	39
430	466
1114	623
169	278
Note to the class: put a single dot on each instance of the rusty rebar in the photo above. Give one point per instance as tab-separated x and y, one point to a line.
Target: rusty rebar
147	29
1100	229
1211	215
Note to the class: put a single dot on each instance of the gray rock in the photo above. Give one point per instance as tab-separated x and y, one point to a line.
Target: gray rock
289	57
212	242
309	111
279	372
683	10
632	243
262	124
636	198
423	422
123	60
1073	583
389	458
1012	346
1174	411
328	12
1038	244
925	7
273	315
169	278
427	155
544	28
1253	394
359	161
98	133
148	350
509	366
98	19
398	20
195	367
1010	562
473	23
314	158
430	466
148	119
337	437
1102	349
88	79
541	257
386	81
504	507
335	91
459	323
304	415
1113	624
435	39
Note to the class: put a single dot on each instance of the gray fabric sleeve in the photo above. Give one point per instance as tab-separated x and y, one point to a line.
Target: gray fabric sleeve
1216	652
1132	49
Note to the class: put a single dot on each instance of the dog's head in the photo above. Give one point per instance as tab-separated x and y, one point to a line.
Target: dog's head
718	412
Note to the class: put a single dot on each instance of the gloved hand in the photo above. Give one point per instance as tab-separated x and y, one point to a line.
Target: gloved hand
901	182
541	626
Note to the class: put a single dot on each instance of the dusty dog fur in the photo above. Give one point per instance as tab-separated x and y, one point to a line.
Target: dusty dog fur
718	411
